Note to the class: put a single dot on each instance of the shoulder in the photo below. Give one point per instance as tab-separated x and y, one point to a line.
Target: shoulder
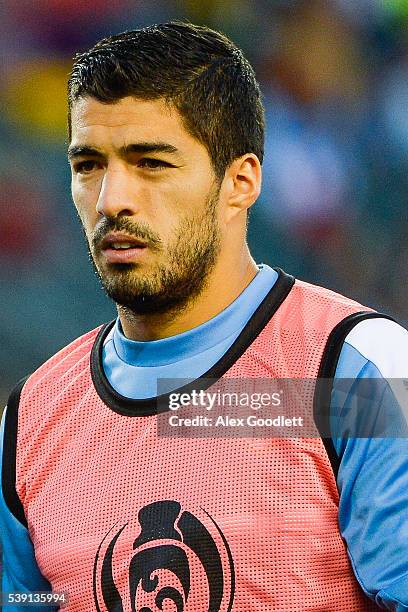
325	295
319	308
66	359
358	333
382	342
34	403
72	350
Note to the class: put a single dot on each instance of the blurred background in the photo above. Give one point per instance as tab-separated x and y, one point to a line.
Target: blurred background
334	74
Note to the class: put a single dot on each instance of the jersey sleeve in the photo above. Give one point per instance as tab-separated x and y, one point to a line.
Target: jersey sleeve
373	471
20	572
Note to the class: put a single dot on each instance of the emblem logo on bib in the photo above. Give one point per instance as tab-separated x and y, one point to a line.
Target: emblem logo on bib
168	559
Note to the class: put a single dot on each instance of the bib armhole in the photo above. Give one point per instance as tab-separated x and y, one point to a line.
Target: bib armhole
327	370
8	476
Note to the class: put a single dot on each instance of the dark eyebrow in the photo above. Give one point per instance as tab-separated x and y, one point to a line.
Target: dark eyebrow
77	151
139	147
148	147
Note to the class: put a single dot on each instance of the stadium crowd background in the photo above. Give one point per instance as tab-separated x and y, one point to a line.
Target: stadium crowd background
334	204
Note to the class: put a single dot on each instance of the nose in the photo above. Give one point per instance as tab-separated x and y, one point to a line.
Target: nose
118	195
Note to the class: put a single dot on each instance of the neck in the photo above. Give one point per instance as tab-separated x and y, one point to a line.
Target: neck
224	284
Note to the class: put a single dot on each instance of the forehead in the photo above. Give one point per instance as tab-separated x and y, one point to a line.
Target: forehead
129	119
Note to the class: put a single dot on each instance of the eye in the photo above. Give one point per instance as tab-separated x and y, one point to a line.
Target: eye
86	167
153	164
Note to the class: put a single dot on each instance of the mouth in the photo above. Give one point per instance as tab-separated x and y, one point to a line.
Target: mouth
121	248
119	241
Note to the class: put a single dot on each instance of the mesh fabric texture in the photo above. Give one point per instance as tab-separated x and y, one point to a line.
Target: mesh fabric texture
231	524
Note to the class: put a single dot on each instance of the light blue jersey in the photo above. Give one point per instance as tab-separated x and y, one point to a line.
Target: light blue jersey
133	368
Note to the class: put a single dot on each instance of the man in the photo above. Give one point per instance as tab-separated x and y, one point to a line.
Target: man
166	144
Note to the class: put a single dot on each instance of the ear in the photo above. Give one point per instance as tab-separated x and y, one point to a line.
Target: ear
243	179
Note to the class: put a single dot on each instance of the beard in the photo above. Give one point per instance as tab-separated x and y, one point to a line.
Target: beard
167	287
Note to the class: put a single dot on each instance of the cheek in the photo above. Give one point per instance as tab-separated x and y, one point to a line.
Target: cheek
84	203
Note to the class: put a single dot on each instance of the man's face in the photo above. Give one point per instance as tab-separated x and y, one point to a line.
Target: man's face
147	197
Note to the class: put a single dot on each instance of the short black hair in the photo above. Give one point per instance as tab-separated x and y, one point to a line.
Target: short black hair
199	71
